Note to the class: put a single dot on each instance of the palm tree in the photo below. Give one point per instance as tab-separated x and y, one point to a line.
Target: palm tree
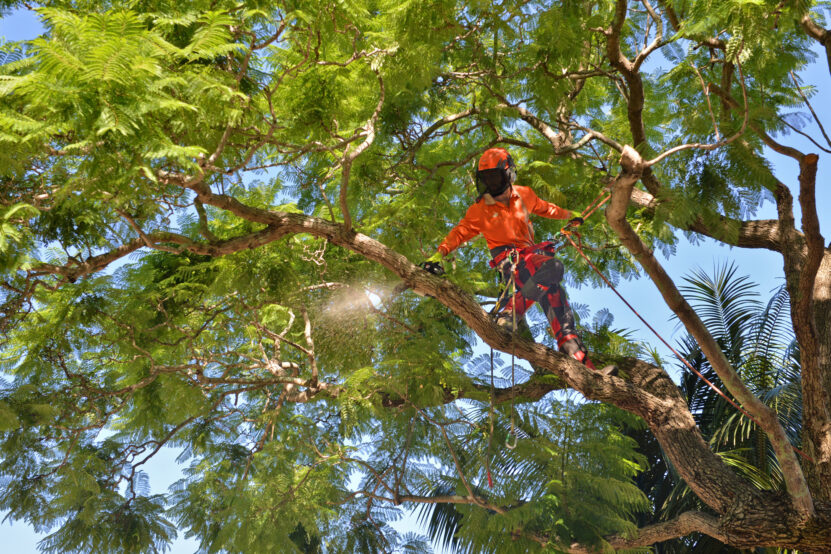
758	340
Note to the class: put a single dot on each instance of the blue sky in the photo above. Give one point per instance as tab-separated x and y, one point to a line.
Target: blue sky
764	268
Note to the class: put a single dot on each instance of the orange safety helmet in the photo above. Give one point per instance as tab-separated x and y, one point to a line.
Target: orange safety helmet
495	173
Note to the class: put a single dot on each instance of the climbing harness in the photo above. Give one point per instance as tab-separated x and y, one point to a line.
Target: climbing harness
512	256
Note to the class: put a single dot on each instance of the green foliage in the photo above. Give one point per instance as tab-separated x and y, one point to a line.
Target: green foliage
569	478
305	392
15	239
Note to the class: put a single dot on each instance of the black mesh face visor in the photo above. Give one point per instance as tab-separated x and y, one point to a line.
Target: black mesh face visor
492	181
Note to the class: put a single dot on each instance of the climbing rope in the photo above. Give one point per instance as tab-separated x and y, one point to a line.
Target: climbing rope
490	435
501	303
568	233
512	431
511	285
512	439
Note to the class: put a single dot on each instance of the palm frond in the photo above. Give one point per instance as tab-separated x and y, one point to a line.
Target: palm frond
725	302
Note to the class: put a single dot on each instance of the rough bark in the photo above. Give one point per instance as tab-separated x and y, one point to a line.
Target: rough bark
762	233
821	448
616	215
801	271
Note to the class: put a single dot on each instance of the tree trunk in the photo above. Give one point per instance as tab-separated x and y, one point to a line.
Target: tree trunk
817	438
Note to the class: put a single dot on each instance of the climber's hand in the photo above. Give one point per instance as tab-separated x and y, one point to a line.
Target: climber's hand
435	258
576	220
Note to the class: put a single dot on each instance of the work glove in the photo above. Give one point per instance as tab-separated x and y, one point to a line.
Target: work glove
576	220
433	264
435	258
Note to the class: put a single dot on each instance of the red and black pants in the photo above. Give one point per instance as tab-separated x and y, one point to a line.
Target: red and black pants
537	275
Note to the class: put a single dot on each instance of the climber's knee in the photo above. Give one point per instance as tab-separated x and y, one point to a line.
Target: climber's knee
547	276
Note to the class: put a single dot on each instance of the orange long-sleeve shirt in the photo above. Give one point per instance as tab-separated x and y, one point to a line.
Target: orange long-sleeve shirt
502	225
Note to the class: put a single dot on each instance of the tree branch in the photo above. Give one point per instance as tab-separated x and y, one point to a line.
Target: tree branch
763	233
823	36
558	139
811	108
767	139
656	42
816	405
75	269
633	165
686	523
717	144
673	19
307	332
349	156
648	392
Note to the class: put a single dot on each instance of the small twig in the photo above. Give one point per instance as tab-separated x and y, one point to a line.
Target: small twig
804	134
146	239
813	113
706	90
307	331
714	145
203	221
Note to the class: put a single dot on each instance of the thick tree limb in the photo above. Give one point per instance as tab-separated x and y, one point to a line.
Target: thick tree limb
810	227
763	233
815	397
803	255
616	215
686	523
629	70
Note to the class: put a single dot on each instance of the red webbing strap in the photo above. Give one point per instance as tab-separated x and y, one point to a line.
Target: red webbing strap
498	259
567	234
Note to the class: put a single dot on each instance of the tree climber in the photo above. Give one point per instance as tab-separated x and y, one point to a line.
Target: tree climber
501	215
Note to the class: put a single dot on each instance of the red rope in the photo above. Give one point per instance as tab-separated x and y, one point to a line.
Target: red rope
594	208
567	234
